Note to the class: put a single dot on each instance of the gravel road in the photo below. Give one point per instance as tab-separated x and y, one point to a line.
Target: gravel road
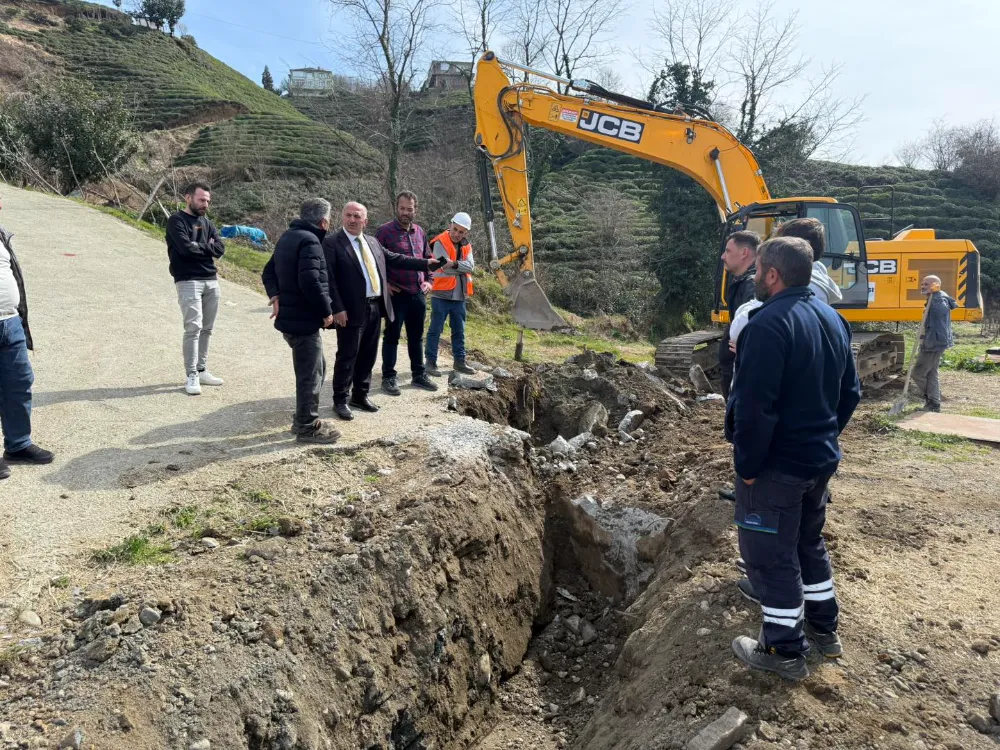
109	398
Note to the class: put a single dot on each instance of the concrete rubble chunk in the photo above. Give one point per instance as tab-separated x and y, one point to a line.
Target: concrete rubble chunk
31	619
594	419
560	447
580	440
72	741
478	382
631	421
722	733
700	380
149	616
615	545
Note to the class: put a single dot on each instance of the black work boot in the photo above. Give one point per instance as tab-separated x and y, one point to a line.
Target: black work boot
390	386
30	455
4	469
422	381
463	368
432	368
827	644
932	406
747	590
752	653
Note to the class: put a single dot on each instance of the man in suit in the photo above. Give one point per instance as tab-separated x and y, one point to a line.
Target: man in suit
359	292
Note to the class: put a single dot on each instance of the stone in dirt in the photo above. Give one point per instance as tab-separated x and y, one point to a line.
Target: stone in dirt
722	733
72	741
579	696
995	706
631	421
99	650
31	619
209	543
149	616
700	380
483	671
588	633
979	722
133	626
594	419
560	447
580	440
981	647
201	745
472	382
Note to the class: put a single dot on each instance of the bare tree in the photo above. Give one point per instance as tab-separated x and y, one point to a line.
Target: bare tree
527	40
910	154
388	48
578	32
941	146
696	33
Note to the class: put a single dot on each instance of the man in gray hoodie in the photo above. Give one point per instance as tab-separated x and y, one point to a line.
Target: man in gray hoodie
813	232
936	338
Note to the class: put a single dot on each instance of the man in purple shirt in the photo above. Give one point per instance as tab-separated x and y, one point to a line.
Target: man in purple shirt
402	236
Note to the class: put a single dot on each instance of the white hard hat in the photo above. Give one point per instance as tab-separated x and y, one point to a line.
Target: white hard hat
462	219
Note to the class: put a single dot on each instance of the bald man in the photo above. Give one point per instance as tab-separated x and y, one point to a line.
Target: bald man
359	292
937	337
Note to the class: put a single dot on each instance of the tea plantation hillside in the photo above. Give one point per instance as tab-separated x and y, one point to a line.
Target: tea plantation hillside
173	83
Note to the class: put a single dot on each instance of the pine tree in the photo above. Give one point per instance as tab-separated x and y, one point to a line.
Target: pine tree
267	81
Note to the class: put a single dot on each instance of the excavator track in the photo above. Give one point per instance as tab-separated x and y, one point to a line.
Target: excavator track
677	353
878	355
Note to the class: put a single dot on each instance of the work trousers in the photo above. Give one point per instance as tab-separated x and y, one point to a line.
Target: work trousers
357	350
408	309
16	378
780	519
199	302
310	371
925	375
454	312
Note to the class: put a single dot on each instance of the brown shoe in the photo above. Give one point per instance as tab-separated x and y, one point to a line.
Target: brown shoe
323	433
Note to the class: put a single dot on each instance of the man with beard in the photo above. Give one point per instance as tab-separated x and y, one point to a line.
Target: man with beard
738	258
795	390
403	236
193	244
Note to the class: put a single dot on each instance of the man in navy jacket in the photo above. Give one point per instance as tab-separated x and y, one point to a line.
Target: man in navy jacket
795	389
297	284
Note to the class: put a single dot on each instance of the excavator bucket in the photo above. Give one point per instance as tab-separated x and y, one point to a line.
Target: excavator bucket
532	308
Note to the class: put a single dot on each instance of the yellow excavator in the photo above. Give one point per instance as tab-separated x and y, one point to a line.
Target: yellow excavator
879	279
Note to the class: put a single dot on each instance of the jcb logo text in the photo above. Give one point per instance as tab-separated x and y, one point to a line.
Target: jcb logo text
615	127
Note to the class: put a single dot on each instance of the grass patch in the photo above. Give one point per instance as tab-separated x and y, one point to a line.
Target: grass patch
182	517
10	656
372	478
133	550
262	522
981	411
260	497
61	582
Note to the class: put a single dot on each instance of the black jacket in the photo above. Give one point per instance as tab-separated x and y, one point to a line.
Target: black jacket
22	308
347	280
193	244
296	275
796	387
741	290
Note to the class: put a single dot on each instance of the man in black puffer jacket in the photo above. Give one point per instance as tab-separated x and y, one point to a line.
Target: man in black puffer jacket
297	284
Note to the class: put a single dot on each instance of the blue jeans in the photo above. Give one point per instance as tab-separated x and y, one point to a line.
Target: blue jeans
454	311
16	378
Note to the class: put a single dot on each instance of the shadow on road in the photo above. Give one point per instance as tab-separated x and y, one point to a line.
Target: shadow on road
40	399
236	431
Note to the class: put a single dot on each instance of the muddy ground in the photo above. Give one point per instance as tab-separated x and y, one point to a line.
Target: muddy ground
463	591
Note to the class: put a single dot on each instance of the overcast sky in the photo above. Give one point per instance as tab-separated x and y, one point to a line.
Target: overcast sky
915	60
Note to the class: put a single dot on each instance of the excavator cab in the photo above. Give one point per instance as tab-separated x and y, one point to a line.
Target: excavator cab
845	257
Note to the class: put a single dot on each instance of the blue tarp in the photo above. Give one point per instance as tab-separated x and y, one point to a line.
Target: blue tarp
256	236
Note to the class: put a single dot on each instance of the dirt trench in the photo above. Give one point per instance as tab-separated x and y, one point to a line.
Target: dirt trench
431	594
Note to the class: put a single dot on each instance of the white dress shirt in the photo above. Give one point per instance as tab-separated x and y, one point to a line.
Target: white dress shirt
356	245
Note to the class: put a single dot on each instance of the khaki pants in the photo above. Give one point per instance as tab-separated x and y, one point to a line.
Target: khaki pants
925	376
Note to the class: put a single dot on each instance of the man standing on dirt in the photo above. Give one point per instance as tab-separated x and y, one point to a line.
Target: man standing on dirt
795	390
193	244
296	282
16	375
738	258
407	287
451	287
936	339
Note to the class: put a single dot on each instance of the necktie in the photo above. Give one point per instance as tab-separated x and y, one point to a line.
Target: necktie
369	259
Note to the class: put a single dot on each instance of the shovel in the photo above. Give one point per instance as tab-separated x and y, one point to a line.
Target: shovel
900	405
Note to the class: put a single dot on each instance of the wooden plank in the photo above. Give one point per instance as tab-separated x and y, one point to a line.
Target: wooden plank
973	428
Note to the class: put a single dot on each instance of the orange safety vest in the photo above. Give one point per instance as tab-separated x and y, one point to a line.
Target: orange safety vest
439	281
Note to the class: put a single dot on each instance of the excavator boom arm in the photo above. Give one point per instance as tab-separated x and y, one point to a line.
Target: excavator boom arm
701	149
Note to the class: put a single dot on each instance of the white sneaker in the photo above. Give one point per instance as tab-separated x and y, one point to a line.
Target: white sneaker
207	378
193	387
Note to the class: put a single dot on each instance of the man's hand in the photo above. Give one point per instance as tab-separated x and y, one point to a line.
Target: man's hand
394	289
328	321
340	319
747	482
732	346
274	308
425	287
436	263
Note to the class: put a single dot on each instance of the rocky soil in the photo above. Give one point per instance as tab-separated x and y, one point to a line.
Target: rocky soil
568	583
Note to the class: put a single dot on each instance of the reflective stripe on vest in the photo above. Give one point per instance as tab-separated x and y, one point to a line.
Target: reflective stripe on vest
439	281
